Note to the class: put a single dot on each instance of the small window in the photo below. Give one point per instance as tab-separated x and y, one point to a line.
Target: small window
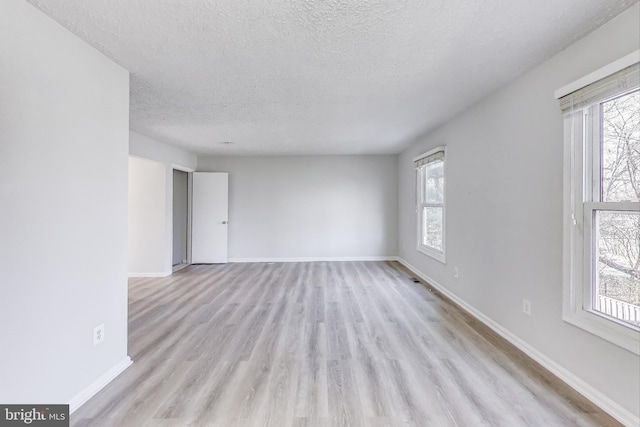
602	205
430	189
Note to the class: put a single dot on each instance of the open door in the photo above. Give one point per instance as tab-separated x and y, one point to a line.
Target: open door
209	217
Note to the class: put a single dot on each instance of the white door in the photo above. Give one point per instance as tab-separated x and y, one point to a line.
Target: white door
209	217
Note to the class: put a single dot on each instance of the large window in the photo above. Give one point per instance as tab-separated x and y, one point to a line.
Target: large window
430	188
602	232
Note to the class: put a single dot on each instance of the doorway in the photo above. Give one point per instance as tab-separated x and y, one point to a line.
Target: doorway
180	257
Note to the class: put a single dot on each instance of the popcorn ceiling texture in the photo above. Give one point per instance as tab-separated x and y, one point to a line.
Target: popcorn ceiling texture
318	76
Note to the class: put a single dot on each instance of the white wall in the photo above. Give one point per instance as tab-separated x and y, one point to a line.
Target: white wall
147	148
147	204
63	222
504	214
302	207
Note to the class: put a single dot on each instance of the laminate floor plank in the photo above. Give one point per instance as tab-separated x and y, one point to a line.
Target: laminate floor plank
311	399
320	344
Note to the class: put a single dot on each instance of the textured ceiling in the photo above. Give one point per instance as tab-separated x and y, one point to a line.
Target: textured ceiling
318	76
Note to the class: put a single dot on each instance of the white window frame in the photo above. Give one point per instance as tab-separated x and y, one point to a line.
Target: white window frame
428	250
581	201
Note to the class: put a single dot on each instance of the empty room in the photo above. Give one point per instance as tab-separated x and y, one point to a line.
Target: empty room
320	213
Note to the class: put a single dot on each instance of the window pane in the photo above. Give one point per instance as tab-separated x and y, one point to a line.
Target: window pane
433	184
618	265
432	227
620	159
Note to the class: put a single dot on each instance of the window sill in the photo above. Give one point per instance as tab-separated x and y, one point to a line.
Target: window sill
607	329
437	255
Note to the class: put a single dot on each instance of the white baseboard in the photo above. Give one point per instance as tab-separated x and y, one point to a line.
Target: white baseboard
313	259
591	393
161	274
81	398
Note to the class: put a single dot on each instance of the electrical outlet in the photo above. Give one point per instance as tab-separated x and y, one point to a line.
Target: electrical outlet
98	334
456	273
526	307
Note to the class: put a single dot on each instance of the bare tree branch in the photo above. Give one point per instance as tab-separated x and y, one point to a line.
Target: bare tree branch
619	267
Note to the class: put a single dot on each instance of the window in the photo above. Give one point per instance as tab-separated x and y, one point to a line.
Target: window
430	168
602	206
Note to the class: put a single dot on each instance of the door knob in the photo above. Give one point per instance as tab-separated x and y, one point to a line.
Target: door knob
224	222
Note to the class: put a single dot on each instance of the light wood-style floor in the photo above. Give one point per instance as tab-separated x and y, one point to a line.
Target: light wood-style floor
320	344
